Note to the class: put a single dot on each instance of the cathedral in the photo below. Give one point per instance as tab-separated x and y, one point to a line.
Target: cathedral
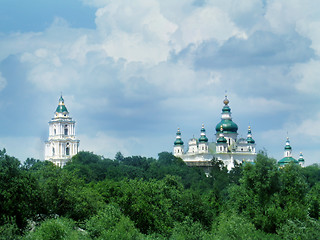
228	147
62	143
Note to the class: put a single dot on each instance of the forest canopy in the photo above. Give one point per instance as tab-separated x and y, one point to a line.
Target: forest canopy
135	197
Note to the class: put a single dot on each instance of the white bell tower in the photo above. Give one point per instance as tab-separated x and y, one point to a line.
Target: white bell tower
62	143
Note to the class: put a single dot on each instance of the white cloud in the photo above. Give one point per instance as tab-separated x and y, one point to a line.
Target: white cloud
307	76
309	29
204	24
309	128
136	31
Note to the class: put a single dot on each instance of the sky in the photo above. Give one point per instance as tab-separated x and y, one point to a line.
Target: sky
132	72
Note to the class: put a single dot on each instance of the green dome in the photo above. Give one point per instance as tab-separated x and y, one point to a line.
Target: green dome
287	147
203	139
226	108
227	125
178	141
222	140
250	140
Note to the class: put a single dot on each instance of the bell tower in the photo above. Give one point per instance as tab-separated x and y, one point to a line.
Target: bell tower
62	143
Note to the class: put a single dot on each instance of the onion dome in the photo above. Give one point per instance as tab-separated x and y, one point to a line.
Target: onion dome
249	136
226	120
301	159
61	107
287	147
221	138
203	137
178	140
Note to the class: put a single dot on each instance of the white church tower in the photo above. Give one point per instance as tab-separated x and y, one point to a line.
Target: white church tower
62	143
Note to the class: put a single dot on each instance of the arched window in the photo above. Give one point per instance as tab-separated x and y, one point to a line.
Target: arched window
54	131
66	130
67	150
53	151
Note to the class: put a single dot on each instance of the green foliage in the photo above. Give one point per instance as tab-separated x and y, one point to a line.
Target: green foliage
188	230
312	174
17	198
145	198
9	230
293	192
110	223
300	230
313	200
155	205
60	192
269	196
56	229
230	226
145	202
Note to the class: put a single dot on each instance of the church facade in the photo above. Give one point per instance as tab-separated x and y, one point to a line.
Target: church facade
228	147
62	143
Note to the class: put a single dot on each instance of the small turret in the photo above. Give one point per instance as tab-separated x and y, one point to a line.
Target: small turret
222	145
221	138
249	136
301	160
178	145
203	137
287	149
178	140
203	141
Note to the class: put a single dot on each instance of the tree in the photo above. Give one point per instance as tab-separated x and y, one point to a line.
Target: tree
231	226
292	195
313	200
119	157
300	230
256	196
110	223
188	230
17	191
56	229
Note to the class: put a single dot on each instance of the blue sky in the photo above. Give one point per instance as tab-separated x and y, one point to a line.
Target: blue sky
132	72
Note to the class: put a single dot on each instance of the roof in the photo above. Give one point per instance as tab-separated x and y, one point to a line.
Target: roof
287	160
61	107
227	125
